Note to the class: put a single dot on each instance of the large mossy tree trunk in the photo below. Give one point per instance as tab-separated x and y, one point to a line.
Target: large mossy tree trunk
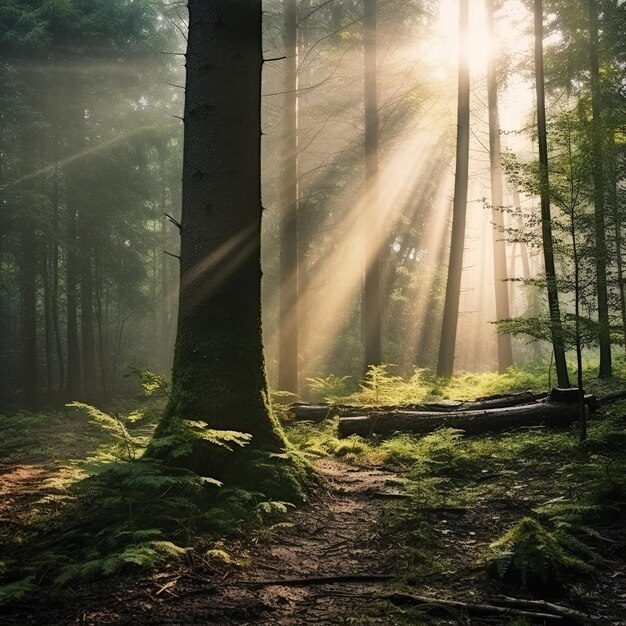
219	371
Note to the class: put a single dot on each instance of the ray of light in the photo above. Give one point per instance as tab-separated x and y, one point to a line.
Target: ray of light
79	155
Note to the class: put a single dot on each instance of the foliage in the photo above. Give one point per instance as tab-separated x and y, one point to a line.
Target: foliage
121	511
329	388
142	555
126	447
531	554
322	440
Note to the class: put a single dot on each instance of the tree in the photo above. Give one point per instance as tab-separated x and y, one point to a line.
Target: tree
371	306
445	363
505	349
599	146
218	375
289	273
546	218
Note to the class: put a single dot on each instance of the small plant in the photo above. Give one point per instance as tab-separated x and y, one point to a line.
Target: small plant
127	447
329	388
530	554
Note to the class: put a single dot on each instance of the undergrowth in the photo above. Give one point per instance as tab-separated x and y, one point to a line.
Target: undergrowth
528	506
381	385
111	509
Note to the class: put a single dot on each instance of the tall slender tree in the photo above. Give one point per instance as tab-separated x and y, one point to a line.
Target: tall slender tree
371	306
505	348
599	145
219	371
556	327
447	345
289	275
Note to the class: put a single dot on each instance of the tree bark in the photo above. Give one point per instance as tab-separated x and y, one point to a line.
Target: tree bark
472	422
288	302
505	347
598	143
546	218
371	305
447	345
219	371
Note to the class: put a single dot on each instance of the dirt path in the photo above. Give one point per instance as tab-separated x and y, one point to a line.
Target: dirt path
338	536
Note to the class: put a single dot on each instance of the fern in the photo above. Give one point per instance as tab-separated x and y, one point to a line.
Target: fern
129	445
16	591
151	382
144	555
529	552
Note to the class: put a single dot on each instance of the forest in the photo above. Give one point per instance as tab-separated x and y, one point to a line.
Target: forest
313	312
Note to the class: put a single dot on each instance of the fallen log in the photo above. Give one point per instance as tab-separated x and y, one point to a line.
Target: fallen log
472	422
609	398
319	412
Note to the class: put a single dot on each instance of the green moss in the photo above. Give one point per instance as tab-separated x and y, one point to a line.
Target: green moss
533	555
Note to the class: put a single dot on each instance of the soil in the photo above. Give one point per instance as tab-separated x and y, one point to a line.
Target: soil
323	566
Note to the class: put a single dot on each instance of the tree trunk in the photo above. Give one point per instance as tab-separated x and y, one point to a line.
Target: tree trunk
472	422
73	382
618	233
48	326
304	238
54	296
546	219
219	371
505	348
371	305
288	305
447	345
86	311
598	143
28	284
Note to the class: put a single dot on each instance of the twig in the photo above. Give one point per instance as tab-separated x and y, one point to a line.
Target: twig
575	616
404	599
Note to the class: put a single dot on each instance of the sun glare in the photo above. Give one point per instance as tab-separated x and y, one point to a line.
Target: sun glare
444	47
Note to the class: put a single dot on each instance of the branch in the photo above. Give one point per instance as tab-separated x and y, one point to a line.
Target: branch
175	222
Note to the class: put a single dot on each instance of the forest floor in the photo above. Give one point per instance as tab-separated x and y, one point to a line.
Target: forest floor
398	515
